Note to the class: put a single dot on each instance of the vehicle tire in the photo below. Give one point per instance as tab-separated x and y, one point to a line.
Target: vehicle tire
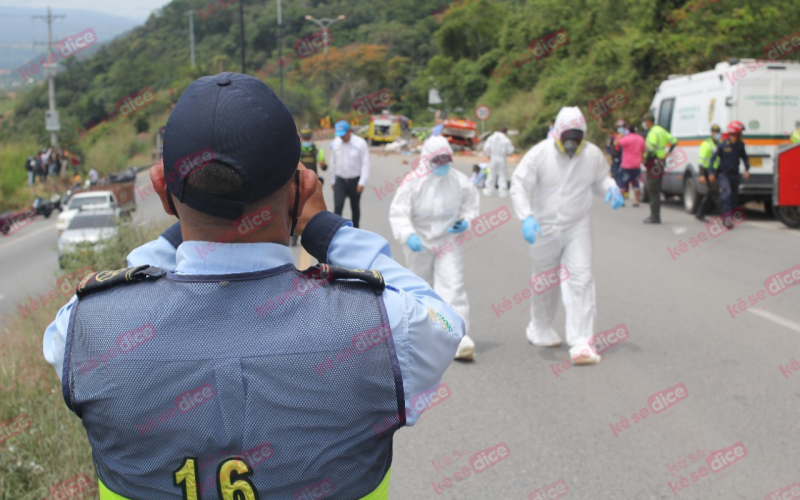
47	213
769	209
788	215
690	195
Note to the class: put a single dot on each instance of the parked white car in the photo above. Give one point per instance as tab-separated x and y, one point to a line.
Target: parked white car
86	230
93	200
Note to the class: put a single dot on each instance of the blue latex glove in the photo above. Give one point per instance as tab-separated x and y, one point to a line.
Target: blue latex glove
615	196
529	227
458	227
414	243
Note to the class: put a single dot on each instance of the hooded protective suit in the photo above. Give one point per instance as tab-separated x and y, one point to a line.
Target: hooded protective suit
556	191
427	206
497	147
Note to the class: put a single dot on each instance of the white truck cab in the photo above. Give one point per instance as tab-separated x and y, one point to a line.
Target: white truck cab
762	94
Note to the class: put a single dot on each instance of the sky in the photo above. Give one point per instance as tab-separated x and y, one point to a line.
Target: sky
138	10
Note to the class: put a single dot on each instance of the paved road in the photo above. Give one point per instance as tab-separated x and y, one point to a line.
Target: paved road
28	259
568	424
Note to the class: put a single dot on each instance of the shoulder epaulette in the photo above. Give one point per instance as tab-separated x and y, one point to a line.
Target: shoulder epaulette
369	276
107	279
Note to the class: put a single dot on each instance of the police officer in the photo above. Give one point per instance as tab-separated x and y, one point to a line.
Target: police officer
237	373
310	157
708	174
655	162
730	152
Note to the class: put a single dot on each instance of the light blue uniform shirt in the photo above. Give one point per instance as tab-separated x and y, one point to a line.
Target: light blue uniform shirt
424	346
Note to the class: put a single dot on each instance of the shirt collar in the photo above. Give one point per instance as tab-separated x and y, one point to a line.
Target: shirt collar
211	258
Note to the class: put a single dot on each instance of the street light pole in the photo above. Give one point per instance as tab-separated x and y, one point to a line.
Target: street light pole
241	31
191	33
281	62
51	71
325	24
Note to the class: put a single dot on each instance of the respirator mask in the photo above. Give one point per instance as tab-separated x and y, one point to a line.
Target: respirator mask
570	142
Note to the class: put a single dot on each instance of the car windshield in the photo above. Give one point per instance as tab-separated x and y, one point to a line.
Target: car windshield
93	221
89	200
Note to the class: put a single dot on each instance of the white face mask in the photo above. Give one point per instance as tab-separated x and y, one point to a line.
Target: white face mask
644	126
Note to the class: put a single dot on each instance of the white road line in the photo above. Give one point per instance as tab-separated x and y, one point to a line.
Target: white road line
23	238
791	325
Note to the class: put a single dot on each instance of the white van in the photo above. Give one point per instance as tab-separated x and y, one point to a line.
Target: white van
764	95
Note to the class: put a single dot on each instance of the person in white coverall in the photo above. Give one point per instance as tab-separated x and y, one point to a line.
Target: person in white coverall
429	211
497	147
551	193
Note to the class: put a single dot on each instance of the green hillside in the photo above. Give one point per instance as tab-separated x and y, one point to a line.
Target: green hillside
472	51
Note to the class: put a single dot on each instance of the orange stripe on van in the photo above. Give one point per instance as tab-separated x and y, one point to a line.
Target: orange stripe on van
749	142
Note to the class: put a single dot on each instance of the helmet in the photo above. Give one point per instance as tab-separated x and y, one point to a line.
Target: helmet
735	127
649	117
715	128
305	133
621	123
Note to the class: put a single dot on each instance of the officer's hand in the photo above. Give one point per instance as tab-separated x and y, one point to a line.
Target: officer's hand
359	188
323	166
712	178
314	204
746	175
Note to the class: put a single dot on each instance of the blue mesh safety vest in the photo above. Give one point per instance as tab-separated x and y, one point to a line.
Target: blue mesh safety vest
271	385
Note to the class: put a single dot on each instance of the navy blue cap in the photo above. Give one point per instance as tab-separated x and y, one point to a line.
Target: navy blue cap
237	120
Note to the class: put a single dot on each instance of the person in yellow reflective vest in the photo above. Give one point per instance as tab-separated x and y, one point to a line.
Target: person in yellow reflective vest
708	174
658	138
795	137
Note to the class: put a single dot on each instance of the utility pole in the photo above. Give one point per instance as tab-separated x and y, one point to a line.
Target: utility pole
51	121
241	30
191	34
281	62
325	24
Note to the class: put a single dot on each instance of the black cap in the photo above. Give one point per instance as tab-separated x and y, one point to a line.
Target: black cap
715	128
239	121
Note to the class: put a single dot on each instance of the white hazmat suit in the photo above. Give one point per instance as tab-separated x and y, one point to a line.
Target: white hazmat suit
556	190
427	206
497	147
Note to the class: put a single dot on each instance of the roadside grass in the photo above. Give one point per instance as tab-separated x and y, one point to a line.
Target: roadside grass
54	448
13	177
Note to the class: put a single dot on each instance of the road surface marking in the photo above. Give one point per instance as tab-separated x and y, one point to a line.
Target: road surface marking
23	238
776	319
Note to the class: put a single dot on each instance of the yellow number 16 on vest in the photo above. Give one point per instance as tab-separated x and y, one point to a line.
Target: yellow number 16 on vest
233	476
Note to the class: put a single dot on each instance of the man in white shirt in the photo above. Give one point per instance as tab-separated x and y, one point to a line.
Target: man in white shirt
497	147
349	164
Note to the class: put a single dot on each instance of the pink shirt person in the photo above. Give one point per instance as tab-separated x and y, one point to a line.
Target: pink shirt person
632	150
